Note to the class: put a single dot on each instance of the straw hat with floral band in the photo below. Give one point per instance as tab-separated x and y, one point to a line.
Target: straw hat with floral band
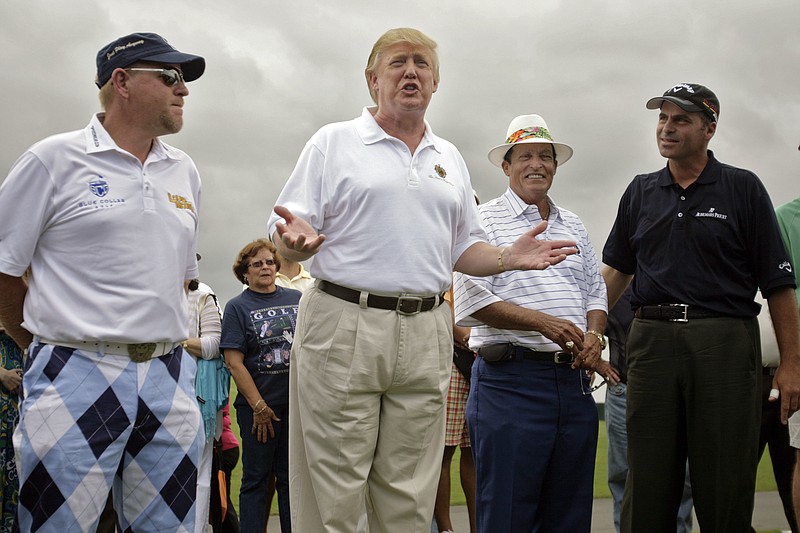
526	129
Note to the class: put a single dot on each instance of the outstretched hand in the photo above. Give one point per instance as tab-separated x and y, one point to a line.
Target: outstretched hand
297	235
530	253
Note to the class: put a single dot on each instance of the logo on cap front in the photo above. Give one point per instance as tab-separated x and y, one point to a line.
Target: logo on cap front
682	87
120	48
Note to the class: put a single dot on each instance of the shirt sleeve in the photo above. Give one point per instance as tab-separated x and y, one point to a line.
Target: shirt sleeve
233	334
26	207
596	294
210	328
469	229
768	250
471	294
302	194
192	268
617	252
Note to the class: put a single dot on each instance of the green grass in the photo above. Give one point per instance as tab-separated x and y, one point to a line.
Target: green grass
765	481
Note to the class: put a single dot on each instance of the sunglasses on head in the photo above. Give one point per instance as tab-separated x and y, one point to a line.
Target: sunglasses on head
170	76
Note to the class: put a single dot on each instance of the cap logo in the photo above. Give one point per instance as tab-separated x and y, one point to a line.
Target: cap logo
527	133
682	87
116	49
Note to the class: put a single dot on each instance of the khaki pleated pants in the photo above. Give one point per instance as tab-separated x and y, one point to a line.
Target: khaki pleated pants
367	415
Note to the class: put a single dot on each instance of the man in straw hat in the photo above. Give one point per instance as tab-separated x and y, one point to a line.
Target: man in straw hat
386	209
107	219
531	416
698	238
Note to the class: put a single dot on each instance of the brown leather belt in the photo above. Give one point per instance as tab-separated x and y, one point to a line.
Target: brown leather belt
405	305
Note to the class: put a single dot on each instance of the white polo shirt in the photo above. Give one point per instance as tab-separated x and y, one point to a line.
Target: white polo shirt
109	240
394	222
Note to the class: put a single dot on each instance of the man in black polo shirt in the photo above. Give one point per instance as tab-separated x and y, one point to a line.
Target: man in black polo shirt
698	238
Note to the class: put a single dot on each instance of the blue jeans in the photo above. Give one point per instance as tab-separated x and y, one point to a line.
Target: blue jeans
259	459
616	405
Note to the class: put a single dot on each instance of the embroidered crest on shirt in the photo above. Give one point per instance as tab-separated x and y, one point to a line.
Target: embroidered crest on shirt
711	213
441	174
180	202
99	187
786	265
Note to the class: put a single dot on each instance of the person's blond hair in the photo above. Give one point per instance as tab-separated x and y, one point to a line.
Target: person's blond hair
106	95
395	36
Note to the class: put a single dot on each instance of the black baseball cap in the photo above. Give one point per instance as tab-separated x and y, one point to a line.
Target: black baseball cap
689	97
145	47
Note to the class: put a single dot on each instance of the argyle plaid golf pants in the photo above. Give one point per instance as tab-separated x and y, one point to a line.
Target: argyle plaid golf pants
90	420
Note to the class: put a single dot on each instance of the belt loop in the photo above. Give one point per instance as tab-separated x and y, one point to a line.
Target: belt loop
362	299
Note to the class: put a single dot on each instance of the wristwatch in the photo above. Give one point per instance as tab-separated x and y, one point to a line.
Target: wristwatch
599	336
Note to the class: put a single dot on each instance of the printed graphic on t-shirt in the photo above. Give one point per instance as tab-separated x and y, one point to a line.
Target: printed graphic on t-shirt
274	327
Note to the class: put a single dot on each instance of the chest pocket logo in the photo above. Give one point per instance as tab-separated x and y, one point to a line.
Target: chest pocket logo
99	187
180	202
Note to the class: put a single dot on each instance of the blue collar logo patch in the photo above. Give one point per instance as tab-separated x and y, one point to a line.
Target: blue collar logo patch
99	187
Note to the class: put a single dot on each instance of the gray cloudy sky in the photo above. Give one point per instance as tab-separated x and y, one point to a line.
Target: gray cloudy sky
277	71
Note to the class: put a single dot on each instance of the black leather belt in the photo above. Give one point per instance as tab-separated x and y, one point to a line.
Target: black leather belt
405	305
674	312
560	357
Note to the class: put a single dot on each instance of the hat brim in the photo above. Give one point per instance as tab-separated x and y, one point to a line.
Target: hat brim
496	154
655	103
192	66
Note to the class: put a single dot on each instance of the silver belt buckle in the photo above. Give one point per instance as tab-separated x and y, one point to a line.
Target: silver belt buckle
142	352
414	301
685	317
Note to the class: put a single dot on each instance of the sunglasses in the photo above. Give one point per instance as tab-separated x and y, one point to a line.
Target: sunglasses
587	389
170	76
